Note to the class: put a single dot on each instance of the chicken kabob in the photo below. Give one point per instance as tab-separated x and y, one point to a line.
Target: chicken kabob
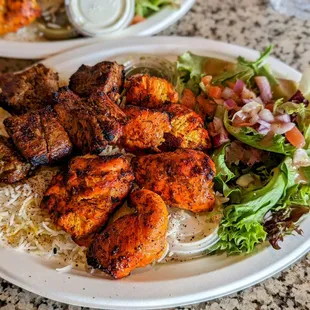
171	167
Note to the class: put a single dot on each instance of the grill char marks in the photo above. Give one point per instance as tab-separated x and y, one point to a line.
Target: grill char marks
81	200
13	167
30	90
91	123
106	77
39	136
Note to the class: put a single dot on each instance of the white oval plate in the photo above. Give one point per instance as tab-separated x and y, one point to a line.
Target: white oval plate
39	50
164	285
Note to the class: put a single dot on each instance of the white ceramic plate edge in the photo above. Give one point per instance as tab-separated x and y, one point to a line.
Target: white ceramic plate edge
40	50
135	292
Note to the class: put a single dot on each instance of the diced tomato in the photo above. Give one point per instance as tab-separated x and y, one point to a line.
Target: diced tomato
188	98
295	137
215	92
206	105
269	107
137	19
231	85
206	80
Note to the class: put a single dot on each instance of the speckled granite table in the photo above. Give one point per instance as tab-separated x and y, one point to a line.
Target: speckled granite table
250	23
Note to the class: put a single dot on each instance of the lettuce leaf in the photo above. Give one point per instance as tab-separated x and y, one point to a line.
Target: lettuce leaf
145	8
242	226
251	137
223	173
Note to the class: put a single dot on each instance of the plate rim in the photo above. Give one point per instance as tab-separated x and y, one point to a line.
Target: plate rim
170	301
40	50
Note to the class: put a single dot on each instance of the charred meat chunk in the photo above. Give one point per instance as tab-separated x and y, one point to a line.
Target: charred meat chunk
106	77
184	178
91	123
188	130
81	200
13	167
39	136
17	14
145	129
149	91
29	90
134	240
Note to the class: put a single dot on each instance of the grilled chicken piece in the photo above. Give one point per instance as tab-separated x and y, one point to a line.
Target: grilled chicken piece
188	130
29	90
39	136
106	77
81	200
184	178
145	129
91	123
134	240
13	167
149	91
17	14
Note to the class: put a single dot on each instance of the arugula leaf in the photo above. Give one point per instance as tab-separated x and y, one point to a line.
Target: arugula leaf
251	137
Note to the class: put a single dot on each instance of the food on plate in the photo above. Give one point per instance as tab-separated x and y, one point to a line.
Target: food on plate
145	129
188	130
134	240
106	77
39	20
149	91
39	136
17	14
29	90
13	167
218	163
260	128
81	200
184	178
92	123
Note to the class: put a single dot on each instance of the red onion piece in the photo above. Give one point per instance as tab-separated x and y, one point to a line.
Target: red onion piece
239	86
264	88
264	123
285	118
254	119
220	139
282	128
263	130
228	93
231	104
247	94
266	115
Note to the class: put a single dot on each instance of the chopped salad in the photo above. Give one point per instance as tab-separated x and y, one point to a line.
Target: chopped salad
260	128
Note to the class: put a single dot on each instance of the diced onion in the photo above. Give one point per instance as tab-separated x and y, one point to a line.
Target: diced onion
254	119
264	88
239	87
301	158
282	128
230	104
264	123
227	93
285	118
266	115
263	130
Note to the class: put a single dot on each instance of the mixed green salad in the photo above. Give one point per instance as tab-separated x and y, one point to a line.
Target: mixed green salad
145	8
260	128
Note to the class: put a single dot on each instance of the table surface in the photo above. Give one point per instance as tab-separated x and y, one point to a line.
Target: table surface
251	23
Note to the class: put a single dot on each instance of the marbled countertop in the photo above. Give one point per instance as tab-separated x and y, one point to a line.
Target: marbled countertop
251	23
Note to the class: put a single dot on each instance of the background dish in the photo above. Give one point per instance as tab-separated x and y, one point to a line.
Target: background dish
36	50
167	285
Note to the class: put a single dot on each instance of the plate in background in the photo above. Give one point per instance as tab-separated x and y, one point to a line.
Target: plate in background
168	285
39	50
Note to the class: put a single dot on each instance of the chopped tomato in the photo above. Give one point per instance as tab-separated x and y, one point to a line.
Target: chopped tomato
207	106
243	125
206	80
188	98
231	85
269	107
215	92
295	137
137	19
